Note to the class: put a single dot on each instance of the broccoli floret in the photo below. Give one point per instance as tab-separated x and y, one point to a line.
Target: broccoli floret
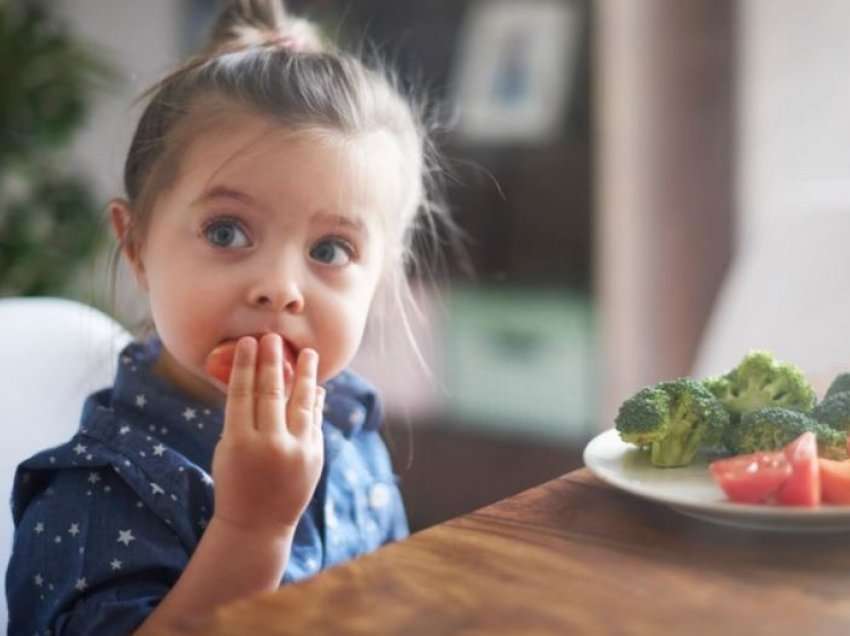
834	411
760	381
673	420
772	428
840	384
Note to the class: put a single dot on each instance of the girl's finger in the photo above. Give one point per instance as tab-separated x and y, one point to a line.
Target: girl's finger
239	408
271	400
319	409
319	415
300	409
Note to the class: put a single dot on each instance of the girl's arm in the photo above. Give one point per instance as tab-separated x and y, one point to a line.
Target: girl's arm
265	469
229	563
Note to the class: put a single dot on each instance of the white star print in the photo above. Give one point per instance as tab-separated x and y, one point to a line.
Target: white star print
141	400
125	537
356	418
94	478
39	527
39	580
124	430
207	479
126	359
116	564
330	515
79	449
158	450
74	530
379	496
156	489
58	539
81	584
189	414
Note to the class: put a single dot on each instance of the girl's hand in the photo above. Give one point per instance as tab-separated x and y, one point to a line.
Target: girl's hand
271	452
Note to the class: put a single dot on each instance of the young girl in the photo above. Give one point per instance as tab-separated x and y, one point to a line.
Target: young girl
272	188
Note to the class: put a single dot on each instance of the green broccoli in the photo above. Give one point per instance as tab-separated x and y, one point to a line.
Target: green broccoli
840	384
673	420
834	411
759	381
771	428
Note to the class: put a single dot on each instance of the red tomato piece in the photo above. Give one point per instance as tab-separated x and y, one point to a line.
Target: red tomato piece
802	488
751	478
835	481
220	361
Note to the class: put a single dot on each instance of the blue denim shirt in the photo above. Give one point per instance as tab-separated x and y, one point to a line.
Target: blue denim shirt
106	523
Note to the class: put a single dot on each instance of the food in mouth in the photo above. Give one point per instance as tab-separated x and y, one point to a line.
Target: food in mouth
219	362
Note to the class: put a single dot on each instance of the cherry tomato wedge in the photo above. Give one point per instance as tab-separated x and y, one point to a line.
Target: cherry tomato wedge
219	362
835	481
802	488
752	478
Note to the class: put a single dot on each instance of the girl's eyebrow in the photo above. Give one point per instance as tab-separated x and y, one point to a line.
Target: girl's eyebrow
223	192
356	225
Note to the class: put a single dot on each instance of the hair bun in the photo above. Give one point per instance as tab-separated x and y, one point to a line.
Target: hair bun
248	23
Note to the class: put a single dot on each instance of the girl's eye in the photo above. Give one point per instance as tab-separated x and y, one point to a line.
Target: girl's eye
226	233
333	251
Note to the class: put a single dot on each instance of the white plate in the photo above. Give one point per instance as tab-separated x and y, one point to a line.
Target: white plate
691	491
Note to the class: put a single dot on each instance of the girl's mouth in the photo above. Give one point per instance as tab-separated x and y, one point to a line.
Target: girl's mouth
219	362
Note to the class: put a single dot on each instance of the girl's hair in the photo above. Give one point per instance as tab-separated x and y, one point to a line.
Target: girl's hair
266	61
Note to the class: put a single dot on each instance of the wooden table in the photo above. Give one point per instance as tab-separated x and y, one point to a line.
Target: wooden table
571	556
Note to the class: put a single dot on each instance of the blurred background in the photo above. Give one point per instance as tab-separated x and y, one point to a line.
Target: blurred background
649	189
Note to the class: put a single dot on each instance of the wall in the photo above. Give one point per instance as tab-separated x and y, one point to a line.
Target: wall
141	40
794	108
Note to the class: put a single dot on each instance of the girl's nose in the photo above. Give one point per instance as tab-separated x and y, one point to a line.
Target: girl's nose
278	295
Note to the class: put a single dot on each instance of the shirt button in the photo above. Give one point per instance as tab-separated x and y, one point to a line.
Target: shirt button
379	496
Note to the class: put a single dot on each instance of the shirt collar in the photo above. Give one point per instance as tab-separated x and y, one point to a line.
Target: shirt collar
160	410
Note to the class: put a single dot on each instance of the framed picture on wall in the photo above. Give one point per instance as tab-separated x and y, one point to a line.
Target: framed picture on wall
514	69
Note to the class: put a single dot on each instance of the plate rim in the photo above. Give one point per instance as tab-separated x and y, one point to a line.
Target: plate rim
831	517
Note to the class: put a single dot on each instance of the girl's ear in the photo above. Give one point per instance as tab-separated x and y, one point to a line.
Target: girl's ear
122	223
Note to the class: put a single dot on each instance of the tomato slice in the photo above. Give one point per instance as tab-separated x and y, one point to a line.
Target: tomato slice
751	478
219	363
835	480
802	488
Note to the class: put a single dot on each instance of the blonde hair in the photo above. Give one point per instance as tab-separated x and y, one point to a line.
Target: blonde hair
262	58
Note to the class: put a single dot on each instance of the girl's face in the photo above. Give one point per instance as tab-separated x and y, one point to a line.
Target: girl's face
267	231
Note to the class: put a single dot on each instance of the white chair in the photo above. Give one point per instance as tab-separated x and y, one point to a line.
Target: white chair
788	292
53	353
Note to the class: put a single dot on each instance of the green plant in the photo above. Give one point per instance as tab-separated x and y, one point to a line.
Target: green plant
50	223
